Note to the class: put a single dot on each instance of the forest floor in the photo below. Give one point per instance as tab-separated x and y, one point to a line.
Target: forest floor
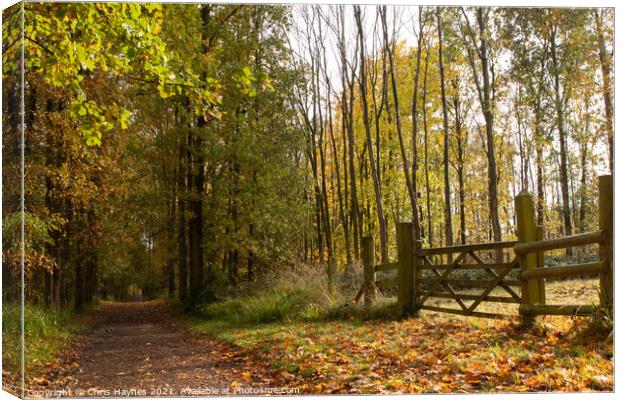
140	349
144	349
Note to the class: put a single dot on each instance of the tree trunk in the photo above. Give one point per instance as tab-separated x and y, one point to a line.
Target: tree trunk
355	212
51	202
81	248
488	117
399	129
461	139
605	69
523	177
540	184
197	177
196	221
181	194
346	209
414	117
559	106
583	149
170	243
446	143
539	140
366	119
322	145
336	162
426	173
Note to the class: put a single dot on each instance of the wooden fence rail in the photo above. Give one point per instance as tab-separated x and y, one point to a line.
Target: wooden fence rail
527	267
564	271
466	248
531	248
581	239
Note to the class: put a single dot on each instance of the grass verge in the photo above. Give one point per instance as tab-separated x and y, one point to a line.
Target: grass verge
285	302
46	333
331	347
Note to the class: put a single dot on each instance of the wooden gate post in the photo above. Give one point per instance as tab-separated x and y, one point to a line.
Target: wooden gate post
606	224
540	263
368	260
406	266
417	263
527	232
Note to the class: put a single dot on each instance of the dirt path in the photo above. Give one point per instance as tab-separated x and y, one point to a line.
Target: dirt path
138	349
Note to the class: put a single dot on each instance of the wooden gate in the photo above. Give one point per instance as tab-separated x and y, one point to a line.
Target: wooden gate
442	282
516	268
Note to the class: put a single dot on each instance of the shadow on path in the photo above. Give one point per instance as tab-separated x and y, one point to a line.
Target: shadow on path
138	348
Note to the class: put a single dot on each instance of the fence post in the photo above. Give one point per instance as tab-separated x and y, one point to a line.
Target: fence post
606	224
368	260
406	264
330	273
527	232
540	263
417	263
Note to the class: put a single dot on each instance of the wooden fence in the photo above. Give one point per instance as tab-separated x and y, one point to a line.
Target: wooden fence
516	267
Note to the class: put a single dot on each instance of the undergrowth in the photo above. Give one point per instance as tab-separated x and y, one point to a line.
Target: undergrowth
278	298
45	333
285	302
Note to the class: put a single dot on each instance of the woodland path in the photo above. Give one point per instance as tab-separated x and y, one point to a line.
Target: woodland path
141	346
